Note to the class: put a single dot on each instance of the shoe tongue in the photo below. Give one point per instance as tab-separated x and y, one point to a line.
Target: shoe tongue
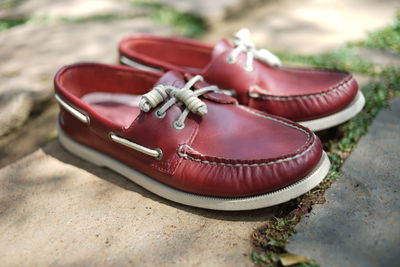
216	97
172	78
221	47
178	80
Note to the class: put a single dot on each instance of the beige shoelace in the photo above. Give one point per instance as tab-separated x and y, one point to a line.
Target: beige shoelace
243	43
183	96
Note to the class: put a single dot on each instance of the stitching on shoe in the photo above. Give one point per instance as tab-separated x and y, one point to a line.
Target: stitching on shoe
313	70
184	155
289	98
193	135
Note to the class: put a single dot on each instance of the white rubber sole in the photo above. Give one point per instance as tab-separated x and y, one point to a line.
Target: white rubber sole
207	202
337	118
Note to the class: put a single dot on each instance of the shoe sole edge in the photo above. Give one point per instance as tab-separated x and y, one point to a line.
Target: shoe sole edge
337	118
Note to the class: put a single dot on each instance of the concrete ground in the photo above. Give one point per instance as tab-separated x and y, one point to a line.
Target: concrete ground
58	210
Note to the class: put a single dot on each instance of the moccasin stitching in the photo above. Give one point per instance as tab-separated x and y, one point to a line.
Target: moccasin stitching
338	87
184	155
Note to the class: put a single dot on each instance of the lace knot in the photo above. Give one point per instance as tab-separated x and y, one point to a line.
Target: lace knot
243	43
183	95
191	101
150	100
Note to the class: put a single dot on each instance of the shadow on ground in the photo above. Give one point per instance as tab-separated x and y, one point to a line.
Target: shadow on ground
55	150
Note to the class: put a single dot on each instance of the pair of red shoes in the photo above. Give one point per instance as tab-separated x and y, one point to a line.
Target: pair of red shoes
198	144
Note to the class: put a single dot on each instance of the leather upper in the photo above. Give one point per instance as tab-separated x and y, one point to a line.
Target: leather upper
298	94
232	151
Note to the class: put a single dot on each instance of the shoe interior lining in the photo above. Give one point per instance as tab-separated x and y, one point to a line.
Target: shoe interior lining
112	93
86	79
120	108
190	57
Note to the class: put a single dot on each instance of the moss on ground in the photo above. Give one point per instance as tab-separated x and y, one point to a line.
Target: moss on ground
387	38
9	23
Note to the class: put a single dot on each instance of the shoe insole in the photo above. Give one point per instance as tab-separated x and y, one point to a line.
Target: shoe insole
122	109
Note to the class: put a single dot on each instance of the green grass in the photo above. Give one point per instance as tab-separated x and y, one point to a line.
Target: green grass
9	23
387	38
268	259
272	238
105	17
187	24
344	58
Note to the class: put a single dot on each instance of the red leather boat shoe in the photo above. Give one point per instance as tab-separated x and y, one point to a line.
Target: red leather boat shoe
183	139
316	98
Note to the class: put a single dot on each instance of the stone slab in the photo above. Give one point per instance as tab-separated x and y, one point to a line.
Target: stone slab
360	223
33	134
56	209
31	54
309	26
210	11
71	9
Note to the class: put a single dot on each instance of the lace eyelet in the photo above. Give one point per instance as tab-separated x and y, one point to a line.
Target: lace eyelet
160	154
159	115
178	126
230	60
248	68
